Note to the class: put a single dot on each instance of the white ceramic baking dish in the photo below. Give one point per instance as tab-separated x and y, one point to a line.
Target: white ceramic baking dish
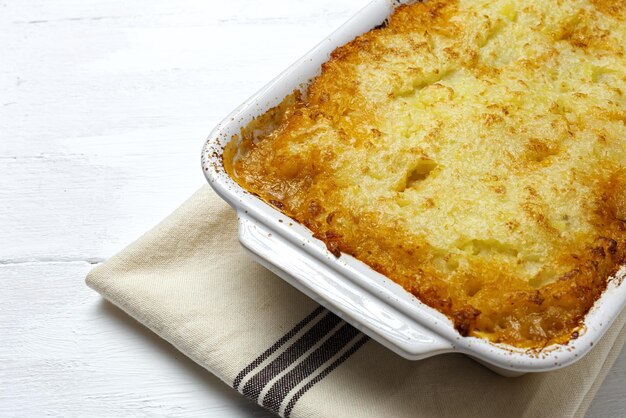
366	299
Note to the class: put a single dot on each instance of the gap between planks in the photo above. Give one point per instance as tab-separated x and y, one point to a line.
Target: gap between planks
43	260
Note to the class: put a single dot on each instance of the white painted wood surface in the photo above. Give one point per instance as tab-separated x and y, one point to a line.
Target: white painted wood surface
104	106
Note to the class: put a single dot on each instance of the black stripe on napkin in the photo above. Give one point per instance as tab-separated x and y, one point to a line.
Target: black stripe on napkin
265	355
252	389
331	347
323	374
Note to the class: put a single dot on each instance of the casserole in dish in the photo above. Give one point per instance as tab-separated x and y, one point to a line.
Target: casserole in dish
449	150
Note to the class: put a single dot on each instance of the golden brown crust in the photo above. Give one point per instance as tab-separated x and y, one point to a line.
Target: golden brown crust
473	151
610	7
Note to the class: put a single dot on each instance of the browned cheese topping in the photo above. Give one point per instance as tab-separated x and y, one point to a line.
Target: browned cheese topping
473	151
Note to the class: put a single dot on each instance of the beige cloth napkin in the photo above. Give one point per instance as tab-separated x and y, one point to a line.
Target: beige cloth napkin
190	282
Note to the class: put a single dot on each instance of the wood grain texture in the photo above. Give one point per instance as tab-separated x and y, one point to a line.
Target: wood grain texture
66	352
104	106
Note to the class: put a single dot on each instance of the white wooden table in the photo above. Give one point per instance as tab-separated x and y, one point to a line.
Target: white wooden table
104	105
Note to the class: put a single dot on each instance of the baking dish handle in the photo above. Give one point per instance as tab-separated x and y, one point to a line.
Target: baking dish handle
367	312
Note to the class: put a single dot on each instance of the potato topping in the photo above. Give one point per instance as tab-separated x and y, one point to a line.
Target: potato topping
473	151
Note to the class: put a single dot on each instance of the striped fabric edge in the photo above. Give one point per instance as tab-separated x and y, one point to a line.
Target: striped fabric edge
300	359
267	353
312	382
255	385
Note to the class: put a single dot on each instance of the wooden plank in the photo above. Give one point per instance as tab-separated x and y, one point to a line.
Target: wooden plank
66	352
118	67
